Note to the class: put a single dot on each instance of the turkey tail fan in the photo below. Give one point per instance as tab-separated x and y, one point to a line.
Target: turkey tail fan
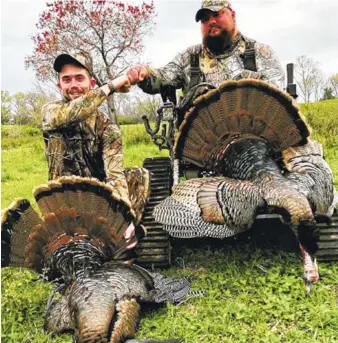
99	198
46	201
238	108
76	212
307	166
210	207
67	228
87	195
18	221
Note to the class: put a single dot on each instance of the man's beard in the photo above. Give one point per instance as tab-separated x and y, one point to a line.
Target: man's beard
218	44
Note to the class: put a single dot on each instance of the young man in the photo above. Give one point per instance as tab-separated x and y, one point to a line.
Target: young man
223	55
80	140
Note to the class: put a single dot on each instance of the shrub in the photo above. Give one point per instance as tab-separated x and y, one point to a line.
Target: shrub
128	120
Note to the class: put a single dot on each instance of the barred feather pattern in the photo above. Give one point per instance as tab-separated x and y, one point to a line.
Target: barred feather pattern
170	289
18	221
225	206
195	210
74	260
109	297
138	180
308	168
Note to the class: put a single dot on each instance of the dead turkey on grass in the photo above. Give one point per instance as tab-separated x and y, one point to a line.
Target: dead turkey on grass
74	244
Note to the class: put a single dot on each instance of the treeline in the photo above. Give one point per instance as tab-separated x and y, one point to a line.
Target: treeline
22	108
25	108
312	85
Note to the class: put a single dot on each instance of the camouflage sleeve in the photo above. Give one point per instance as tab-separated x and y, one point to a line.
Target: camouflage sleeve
269	66
59	114
113	158
173	72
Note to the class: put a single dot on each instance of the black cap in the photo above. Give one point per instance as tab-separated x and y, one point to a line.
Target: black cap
78	59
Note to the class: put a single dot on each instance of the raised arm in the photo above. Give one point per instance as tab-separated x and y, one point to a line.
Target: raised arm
59	114
150	79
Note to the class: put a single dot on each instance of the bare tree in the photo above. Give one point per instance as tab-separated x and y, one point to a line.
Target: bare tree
137	104
333	82
147	105
318	85
125	104
307	75
48	88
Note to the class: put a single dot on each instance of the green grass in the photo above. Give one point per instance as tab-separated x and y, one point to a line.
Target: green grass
24	165
254	295
323	119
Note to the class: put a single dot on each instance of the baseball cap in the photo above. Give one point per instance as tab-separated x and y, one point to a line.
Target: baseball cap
81	59
212	5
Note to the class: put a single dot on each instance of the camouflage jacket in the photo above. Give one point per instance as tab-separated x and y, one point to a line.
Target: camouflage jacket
80	140
216	69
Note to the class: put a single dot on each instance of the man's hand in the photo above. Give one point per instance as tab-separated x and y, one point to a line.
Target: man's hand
129	234
121	84
137	73
248	74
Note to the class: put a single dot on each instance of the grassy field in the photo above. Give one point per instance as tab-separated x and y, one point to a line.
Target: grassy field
254	295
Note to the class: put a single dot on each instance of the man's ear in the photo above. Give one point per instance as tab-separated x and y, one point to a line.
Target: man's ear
59	86
92	83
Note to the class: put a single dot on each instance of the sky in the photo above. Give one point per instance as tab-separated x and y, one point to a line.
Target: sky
291	27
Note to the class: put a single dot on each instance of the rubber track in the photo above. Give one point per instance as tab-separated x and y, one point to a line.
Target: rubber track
328	240
154	250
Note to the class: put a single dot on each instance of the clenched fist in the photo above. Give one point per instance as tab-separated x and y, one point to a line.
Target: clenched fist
138	73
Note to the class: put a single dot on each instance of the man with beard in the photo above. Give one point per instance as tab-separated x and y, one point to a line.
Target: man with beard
81	140
224	54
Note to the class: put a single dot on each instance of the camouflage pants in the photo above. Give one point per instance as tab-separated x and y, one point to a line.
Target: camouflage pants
138	180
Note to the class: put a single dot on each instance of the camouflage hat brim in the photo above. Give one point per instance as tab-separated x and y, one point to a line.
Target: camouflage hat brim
201	12
64	59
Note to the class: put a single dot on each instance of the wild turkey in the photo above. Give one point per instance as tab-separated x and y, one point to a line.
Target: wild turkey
254	136
73	244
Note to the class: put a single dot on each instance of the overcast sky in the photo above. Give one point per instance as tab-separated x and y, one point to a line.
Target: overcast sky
291	27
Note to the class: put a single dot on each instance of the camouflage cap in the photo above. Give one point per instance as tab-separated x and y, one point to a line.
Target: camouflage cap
81	59
211	5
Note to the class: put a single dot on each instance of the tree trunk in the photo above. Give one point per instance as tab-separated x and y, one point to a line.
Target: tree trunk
111	110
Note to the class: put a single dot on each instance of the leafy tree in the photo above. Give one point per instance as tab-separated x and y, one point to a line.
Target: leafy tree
137	104
26	108
6	100
308	77
111	32
148	107
328	94
333	81
125	103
